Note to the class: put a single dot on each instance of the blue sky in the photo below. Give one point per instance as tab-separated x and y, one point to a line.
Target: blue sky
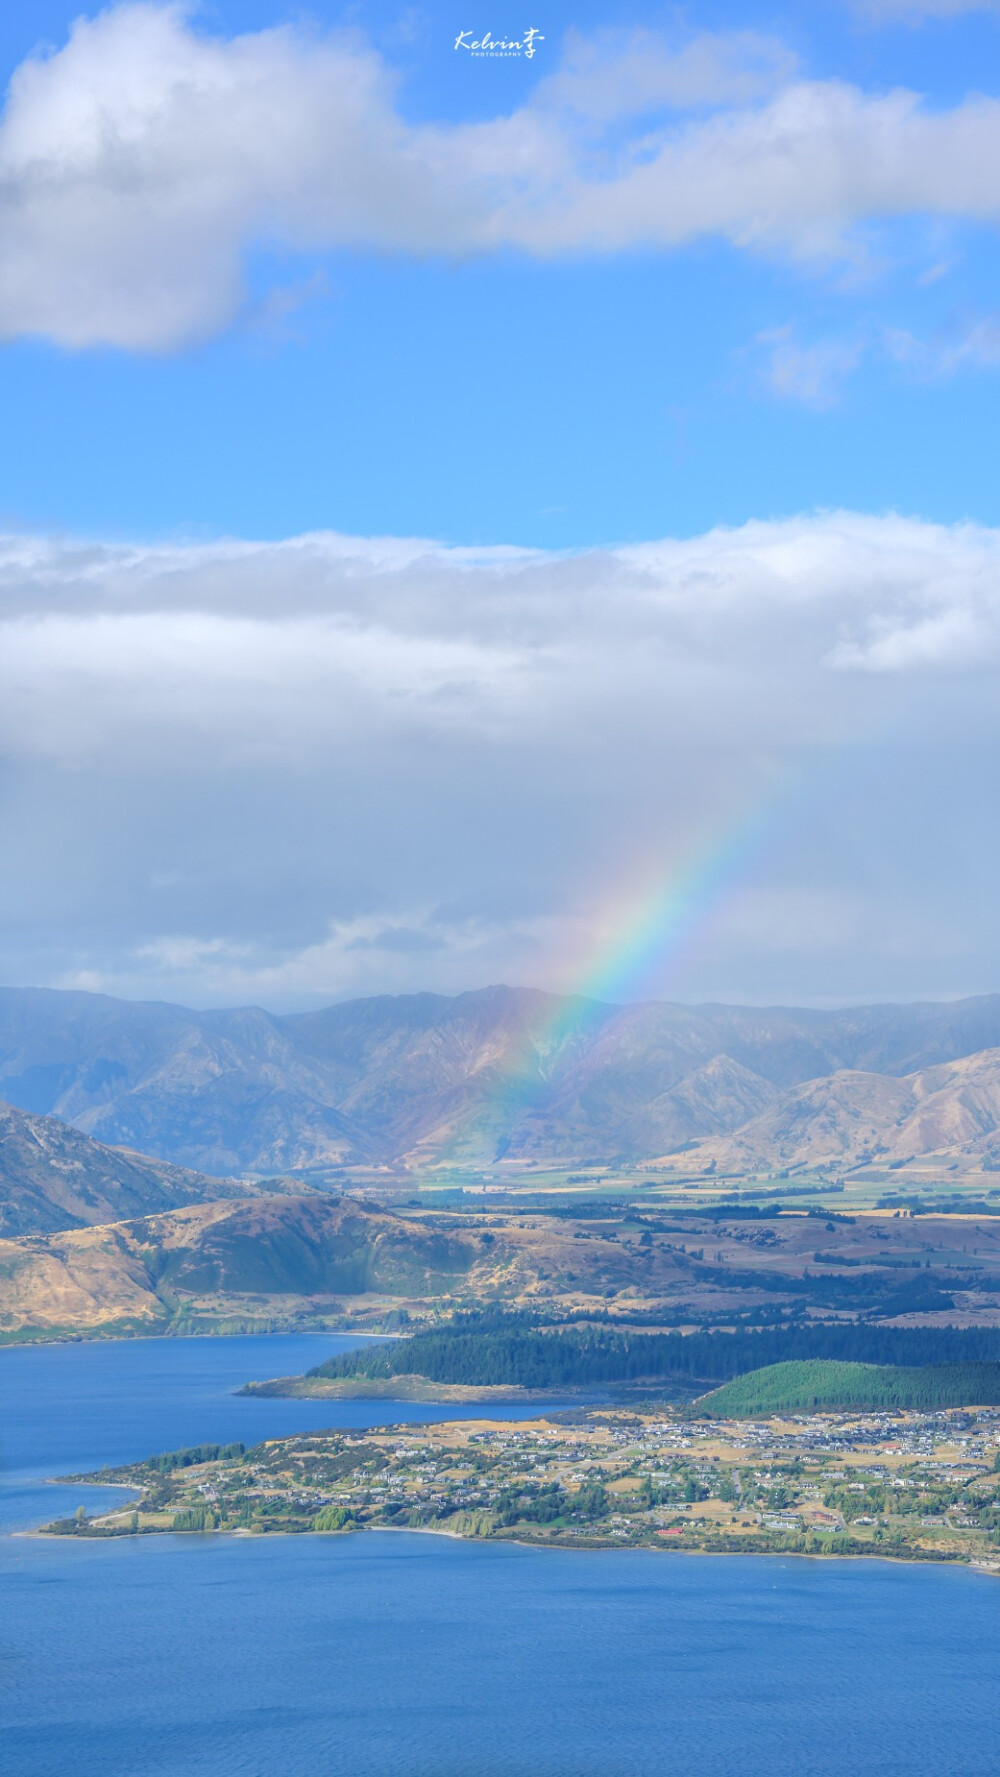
678	342
503	397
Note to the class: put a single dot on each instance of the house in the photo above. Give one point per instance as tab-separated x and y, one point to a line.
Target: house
822	1518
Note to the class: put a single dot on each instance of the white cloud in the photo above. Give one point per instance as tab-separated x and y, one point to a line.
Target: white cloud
813	372
810	373
141	162
278	645
618	74
345	960
330	765
972	343
272	650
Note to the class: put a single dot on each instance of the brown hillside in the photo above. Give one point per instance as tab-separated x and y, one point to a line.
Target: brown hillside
853	1117
304	1260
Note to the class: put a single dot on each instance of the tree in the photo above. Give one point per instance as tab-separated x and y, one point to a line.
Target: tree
333	1518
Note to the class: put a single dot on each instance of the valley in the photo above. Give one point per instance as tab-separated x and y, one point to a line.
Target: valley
489	1151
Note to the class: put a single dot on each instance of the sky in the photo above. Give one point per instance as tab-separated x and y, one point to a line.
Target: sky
526	516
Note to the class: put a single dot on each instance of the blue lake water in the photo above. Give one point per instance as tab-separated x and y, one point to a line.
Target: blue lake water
67	1409
399	1655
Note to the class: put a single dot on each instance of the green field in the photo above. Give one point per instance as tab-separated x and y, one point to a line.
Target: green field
828	1384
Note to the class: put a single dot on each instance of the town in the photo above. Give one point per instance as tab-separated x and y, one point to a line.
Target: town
922	1486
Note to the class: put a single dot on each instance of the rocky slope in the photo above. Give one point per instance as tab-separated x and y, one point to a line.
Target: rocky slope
500	1073
52	1176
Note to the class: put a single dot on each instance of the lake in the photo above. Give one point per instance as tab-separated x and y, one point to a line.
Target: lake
405	1655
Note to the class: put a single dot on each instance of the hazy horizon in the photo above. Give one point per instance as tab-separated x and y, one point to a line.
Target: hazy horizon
292	1008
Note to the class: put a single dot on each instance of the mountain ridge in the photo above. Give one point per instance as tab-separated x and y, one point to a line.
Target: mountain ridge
851	1117
52	1177
421	1079
311	1259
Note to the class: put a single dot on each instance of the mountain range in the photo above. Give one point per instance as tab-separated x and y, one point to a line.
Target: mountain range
506	1074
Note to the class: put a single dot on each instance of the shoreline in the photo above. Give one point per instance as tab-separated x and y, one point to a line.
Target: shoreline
95	1336
610	1545
546	1548
413	1388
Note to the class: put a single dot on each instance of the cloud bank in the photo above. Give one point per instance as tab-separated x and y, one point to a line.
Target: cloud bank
294	770
142	162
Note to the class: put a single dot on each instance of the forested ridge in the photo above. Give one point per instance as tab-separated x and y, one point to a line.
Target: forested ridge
507	1354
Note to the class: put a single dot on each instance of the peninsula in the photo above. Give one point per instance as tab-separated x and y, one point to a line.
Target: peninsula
909	1485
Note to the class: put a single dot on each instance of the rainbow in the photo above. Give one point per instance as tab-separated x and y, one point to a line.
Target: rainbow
669	907
651	925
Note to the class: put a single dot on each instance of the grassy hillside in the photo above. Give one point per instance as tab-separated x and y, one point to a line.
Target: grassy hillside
585	1296
825	1383
309	1246
262	1256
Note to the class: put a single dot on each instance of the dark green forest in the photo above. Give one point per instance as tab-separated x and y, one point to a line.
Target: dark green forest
193	1455
508	1353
